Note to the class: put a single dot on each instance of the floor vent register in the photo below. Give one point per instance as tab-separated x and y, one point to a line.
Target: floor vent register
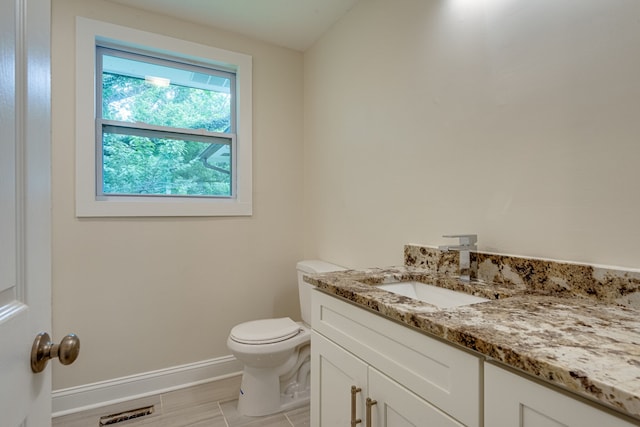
108	420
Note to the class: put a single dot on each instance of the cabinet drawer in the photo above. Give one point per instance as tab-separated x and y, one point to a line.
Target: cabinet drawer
447	377
514	401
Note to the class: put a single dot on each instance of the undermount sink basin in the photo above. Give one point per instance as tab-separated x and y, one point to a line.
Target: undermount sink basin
434	295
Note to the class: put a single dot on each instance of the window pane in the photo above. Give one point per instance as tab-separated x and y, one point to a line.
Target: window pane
142	165
189	98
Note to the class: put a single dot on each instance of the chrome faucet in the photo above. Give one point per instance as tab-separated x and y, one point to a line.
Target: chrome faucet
466	245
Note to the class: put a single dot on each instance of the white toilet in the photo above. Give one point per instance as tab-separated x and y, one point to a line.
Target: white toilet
276	354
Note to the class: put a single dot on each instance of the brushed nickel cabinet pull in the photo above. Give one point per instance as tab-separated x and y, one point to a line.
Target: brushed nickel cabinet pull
370	403
354	391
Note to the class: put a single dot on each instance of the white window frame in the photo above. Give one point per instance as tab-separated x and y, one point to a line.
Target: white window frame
90	32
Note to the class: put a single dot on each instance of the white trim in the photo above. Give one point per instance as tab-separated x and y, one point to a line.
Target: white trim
87	205
81	398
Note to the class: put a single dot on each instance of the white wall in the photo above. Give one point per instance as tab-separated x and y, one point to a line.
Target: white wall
518	120
515	119
146	294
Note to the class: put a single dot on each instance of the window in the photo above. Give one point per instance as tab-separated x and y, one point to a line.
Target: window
166	127
167	131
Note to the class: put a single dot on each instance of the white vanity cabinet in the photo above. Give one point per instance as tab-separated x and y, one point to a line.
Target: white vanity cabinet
414	380
340	375
514	401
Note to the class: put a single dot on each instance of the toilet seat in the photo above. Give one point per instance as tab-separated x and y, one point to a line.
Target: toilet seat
266	331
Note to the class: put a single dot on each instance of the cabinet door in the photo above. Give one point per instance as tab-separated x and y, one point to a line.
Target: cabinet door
333	372
514	401
398	407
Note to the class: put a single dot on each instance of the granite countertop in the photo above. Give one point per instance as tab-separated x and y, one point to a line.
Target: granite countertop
589	347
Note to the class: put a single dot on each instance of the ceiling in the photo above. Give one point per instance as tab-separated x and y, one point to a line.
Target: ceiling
295	24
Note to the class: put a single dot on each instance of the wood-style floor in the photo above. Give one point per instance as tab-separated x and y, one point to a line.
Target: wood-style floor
211	404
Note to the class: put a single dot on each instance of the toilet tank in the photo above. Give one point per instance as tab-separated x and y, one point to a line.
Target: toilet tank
304	288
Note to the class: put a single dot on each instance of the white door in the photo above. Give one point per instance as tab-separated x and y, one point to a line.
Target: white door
25	253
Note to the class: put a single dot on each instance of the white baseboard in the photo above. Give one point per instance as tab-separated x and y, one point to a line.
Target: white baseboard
76	399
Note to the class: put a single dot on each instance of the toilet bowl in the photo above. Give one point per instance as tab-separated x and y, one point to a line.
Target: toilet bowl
276	354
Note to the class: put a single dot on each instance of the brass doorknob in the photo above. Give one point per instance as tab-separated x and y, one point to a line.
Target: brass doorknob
43	350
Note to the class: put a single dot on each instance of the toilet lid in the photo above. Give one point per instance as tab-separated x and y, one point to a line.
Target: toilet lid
265	331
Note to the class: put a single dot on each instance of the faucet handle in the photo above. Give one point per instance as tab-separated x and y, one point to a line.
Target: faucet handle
465	239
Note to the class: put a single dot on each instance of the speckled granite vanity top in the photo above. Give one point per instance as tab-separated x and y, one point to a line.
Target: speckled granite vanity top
575	326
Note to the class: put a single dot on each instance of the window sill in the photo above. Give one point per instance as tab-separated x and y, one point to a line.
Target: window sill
162	207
